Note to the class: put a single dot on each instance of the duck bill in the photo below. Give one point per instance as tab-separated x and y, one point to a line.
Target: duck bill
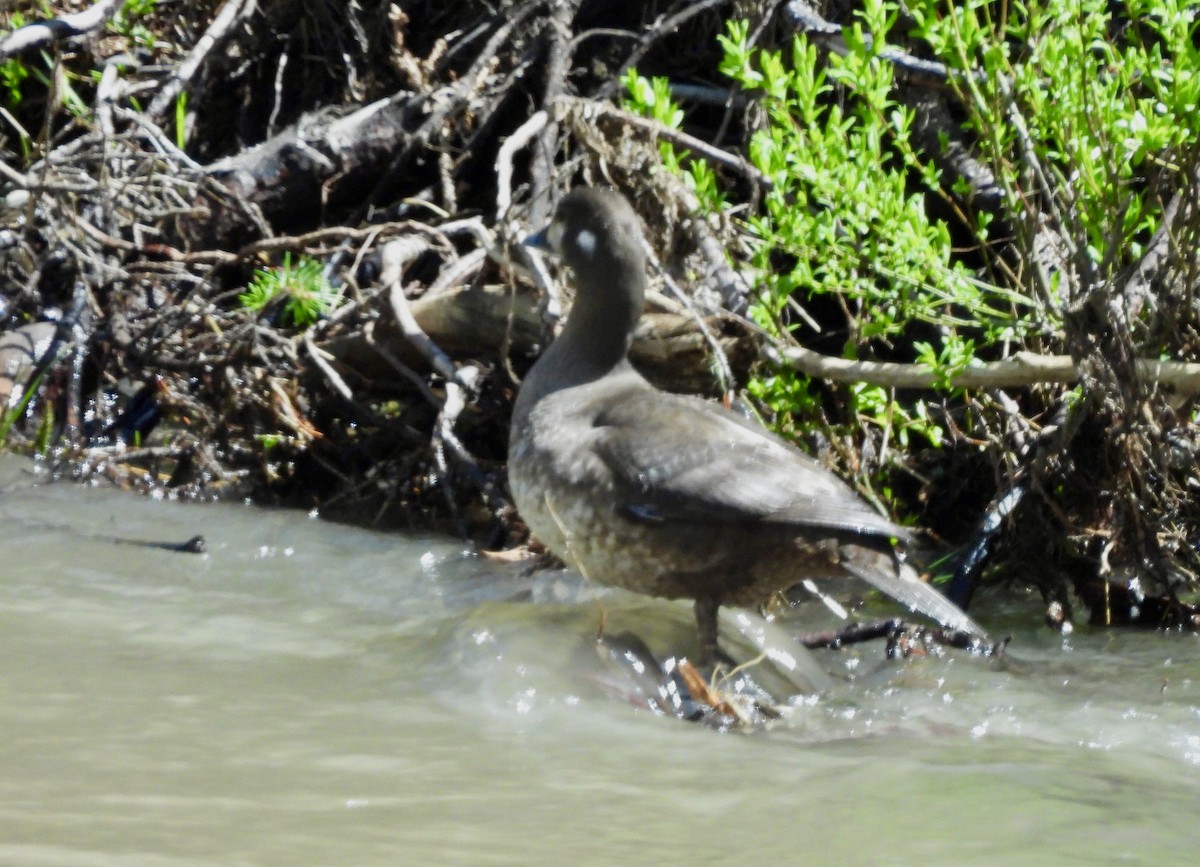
538	241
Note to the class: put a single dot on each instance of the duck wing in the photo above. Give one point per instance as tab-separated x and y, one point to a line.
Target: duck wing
676	458
673	457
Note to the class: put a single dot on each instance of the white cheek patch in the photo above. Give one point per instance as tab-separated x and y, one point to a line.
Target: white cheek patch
585	240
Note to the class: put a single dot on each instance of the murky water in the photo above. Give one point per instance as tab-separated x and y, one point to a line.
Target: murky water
307	693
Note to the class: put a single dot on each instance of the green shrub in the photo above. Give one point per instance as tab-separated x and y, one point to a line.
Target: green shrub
301	289
1078	110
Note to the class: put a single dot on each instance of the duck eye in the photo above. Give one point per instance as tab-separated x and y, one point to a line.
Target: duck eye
585	240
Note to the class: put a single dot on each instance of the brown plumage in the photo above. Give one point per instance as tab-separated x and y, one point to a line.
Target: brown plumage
670	495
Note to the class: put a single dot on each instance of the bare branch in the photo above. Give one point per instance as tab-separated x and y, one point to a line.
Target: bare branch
231	13
713	154
1024	368
397	254
64	27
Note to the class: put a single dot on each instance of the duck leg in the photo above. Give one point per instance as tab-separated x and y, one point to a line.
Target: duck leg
706	619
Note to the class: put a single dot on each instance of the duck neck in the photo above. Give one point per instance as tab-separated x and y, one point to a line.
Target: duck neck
608	304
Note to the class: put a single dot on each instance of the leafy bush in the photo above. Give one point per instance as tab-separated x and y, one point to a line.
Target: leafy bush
1082	112
1097	97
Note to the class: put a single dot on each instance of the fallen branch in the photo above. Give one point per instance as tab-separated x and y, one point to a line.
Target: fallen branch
320	163
804	19
65	27
903	639
468	320
335	380
662	132
521	137
1023	368
231	13
396	256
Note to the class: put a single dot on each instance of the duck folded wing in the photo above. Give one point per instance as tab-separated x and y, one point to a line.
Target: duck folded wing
726	470
731	470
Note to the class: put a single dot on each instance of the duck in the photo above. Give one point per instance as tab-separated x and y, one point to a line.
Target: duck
672	495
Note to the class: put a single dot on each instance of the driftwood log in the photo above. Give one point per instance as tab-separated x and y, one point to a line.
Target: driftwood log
668	348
